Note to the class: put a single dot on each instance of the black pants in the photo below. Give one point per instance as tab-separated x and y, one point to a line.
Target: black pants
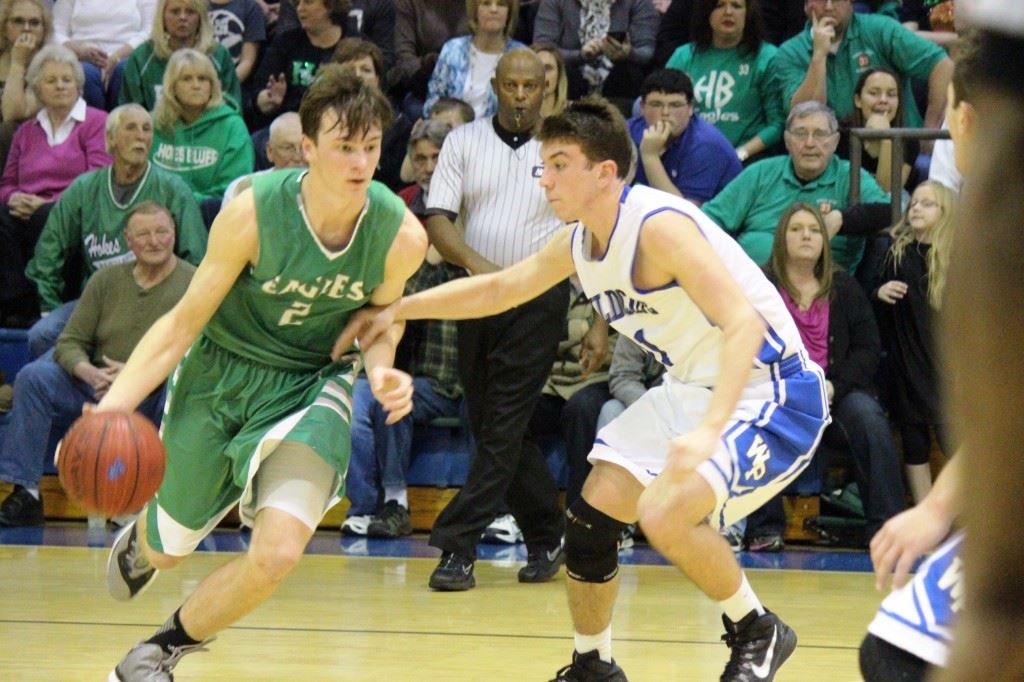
504	361
18	239
575	420
882	662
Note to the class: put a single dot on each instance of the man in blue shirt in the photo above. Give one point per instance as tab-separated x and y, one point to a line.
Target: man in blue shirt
679	152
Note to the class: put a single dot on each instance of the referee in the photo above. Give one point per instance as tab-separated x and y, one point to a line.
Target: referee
487	174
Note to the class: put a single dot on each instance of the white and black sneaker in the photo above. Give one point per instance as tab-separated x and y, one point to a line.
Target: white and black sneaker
129	573
760	645
148	662
502	530
356	526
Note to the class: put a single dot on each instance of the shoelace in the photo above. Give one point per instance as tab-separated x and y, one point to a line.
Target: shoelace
136	560
178	651
740	654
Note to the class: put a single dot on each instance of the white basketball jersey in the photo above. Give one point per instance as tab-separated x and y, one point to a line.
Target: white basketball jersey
666	322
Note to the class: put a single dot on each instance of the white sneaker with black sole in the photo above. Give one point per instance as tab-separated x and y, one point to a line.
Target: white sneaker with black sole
129	573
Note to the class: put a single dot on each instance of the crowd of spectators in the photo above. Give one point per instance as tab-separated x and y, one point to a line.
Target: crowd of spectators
742	106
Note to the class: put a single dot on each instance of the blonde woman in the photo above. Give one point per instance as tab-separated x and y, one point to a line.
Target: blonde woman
466	64
556	82
196	134
176	24
911	284
25	26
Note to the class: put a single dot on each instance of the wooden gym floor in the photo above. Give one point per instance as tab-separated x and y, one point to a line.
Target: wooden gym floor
346	616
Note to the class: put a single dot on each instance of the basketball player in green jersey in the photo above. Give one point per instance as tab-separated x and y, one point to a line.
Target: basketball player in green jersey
257	414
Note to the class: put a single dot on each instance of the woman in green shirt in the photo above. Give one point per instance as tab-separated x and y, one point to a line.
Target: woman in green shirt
730	64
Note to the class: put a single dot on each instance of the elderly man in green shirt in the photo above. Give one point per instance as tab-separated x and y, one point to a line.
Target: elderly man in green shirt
824	62
749	207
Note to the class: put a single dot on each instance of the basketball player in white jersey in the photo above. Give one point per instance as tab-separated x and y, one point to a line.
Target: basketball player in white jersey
737	418
913	629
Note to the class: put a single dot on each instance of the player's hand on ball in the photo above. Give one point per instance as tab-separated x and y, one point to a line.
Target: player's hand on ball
903	540
366	324
393	390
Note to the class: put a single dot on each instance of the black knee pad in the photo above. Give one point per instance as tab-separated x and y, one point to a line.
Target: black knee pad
591	543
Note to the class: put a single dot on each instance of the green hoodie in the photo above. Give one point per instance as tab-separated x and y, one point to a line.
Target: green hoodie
144	76
208	153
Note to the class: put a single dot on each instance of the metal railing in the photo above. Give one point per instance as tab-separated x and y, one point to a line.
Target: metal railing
899	136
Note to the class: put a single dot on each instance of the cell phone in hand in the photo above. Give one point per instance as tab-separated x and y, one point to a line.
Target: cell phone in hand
617	36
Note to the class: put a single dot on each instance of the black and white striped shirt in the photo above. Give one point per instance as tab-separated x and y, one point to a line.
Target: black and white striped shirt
494	186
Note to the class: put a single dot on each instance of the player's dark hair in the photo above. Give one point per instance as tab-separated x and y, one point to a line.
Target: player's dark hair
597	126
358	106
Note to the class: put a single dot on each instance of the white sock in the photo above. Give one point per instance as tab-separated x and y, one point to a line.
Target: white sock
34	492
743	602
397	493
602	642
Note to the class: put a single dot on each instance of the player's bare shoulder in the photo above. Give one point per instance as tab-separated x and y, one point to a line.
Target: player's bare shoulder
408	248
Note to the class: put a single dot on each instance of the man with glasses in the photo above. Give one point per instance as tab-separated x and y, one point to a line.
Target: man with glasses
750	206
679	153
823	63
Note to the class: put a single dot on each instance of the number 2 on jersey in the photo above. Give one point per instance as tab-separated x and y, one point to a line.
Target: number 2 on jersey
298	309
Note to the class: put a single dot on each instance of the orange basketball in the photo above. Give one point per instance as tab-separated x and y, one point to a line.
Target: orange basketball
111	462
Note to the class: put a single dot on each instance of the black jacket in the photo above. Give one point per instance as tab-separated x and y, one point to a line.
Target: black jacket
854	346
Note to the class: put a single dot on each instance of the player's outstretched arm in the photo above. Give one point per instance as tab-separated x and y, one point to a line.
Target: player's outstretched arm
391	387
906	537
233	244
674	246
469	297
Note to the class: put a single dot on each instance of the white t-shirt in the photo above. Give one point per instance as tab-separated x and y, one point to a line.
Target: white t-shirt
478	83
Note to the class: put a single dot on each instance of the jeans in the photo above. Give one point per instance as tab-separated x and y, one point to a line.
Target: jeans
382	452
860	428
43	334
46	398
575	420
94	93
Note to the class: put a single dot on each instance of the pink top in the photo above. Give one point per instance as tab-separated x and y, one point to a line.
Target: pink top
812	325
34	167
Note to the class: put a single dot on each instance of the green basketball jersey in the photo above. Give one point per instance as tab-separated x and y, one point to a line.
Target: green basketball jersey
287	311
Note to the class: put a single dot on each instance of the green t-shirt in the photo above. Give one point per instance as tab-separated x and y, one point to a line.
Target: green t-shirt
288	310
208	154
144	76
749	207
737	92
85	230
869	41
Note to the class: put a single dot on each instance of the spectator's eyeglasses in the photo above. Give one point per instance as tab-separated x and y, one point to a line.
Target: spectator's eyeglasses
22	22
829	2
803	135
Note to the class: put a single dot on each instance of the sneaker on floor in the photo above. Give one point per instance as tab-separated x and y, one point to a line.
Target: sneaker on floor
734	538
503	529
454	573
392	522
589	667
129	573
760	645
21	508
357	525
542	565
147	662
767	542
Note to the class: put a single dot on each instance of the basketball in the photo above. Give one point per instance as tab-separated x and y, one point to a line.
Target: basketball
111	463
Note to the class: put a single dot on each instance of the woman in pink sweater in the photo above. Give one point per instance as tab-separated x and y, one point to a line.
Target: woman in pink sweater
64	140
